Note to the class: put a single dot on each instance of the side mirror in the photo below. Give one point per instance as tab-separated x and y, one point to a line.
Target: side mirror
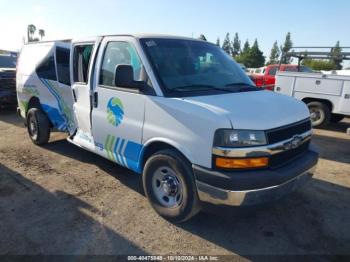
124	77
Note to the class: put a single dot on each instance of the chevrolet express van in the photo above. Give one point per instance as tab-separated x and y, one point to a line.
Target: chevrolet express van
178	111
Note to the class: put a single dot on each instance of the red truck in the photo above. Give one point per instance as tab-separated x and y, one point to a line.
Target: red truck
265	77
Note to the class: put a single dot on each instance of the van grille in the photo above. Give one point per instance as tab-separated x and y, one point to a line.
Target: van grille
286	132
283	158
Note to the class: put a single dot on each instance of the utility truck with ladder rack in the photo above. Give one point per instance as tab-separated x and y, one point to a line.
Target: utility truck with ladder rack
326	95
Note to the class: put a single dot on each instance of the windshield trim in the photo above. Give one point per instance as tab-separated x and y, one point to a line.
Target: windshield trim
174	93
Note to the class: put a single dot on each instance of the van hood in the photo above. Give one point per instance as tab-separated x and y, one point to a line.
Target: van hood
256	110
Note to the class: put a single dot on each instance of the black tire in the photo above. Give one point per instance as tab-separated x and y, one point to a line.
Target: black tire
38	126
336	118
320	114
176	164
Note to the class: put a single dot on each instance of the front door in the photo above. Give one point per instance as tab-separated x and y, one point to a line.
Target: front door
118	113
80	60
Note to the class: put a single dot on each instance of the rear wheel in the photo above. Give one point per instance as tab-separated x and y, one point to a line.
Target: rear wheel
38	126
320	114
169	185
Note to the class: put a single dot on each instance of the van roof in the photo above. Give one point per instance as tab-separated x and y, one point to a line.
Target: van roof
49	41
139	36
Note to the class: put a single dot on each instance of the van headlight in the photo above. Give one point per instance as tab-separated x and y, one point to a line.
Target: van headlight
239	138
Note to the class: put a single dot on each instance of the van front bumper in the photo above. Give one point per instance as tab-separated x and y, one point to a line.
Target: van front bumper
253	187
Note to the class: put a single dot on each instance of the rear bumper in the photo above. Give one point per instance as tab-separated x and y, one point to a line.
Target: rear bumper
8	91
8	96
248	188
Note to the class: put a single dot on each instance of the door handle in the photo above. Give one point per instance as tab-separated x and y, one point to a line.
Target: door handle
95	99
318	82
74	95
347	96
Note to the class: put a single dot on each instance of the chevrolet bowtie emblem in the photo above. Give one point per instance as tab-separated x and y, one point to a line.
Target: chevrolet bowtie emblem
294	143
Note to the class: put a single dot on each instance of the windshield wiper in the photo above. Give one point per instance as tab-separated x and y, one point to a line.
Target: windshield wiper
191	87
240	84
243	87
187	88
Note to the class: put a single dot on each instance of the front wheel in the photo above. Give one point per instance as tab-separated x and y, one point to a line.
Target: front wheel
38	126
319	113
169	185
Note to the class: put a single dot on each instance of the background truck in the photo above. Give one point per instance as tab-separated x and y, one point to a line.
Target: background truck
327	96
178	111
8	62
265	77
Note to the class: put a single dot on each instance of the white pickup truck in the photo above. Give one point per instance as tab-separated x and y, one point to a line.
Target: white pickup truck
178	111
327	96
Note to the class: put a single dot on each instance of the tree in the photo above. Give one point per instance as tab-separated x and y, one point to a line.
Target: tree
243	57
251	56
287	46
246	47
30	32
218	42
274	55
256	56
337	57
319	64
226	45
41	33
236	46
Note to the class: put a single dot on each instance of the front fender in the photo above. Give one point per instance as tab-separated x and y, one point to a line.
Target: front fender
181	148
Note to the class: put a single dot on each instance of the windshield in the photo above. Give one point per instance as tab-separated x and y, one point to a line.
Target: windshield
7	61
188	65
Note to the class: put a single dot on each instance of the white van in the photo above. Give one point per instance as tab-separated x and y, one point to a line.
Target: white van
177	110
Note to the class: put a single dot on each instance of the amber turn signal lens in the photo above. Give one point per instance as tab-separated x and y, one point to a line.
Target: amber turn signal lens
241	163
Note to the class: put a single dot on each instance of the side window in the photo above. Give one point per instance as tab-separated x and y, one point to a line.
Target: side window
62	59
291	69
46	69
273	71
81	61
117	53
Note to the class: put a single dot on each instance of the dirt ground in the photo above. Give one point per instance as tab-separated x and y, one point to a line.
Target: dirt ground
60	199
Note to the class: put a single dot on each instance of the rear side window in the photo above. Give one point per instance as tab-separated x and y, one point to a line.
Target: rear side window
46	69
62	59
81	61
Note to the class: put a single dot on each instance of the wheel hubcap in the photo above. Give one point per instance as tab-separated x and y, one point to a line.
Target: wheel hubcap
33	130
316	115
167	187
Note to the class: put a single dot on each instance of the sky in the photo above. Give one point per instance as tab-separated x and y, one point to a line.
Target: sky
311	22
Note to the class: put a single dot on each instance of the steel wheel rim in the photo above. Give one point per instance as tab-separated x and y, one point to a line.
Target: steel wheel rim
167	187
32	127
